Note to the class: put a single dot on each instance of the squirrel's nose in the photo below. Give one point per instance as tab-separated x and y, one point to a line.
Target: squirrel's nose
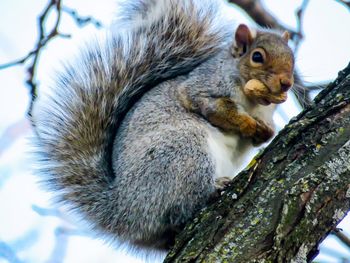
286	84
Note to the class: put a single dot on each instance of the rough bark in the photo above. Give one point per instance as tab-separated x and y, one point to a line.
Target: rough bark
289	198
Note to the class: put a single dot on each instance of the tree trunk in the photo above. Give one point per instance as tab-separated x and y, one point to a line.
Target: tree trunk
289	198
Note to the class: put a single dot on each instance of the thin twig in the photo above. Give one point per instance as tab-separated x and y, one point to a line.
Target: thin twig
343	2
81	20
42	42
18	61
342	237
261	16
300	15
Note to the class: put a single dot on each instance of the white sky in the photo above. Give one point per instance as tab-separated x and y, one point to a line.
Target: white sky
324	51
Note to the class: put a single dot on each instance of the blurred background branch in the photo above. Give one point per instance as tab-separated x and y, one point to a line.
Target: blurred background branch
342	237
345	3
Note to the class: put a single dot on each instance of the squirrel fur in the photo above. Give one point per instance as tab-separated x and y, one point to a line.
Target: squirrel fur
144	128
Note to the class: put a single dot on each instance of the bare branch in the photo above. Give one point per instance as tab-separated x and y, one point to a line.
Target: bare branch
300	14
342	237
344	2
18	61
261	16
80	20
42	41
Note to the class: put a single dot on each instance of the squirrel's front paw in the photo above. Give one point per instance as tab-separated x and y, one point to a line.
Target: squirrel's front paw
222	182
263	133
247	126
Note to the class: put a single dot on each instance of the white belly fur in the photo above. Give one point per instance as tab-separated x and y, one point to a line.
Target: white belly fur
232	153
229	153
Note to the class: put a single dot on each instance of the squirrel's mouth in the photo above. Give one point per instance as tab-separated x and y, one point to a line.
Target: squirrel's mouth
264	101
273	98
262	94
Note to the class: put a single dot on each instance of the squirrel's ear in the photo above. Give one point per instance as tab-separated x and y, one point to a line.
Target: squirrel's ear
243	39
285	36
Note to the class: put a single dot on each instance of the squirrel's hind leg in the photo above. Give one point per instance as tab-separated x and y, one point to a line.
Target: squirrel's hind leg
166	179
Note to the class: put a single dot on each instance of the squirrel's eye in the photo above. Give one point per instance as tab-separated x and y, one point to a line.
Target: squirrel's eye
257	57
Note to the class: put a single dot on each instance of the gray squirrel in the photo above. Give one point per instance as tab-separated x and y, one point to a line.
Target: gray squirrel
142	129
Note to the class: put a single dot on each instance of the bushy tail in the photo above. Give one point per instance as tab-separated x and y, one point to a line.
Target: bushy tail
155	41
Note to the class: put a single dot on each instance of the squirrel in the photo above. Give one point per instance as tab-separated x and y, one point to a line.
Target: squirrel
142	129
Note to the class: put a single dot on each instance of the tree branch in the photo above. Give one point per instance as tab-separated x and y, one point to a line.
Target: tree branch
43	40
288	199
